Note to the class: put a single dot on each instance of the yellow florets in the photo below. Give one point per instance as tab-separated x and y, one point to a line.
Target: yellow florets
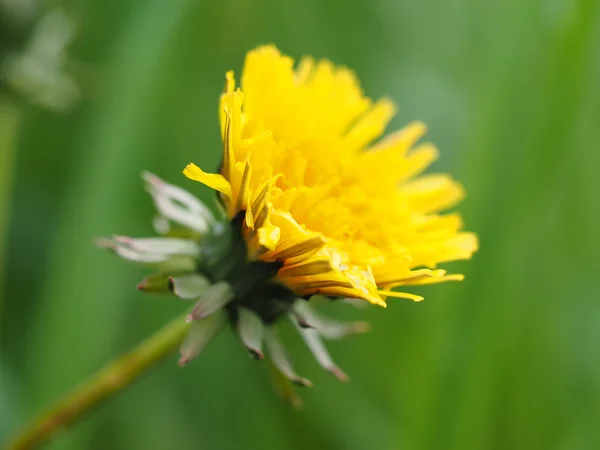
345	215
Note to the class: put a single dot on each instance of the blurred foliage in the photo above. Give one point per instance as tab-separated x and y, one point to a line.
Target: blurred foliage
507	359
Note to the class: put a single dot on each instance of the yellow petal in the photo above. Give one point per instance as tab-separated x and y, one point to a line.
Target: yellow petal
370	126
415	298
305	69
306	269
297	244
413	276
249	217
418	160
244	191
290	249
268	236
214	181
391	271
228	155
260	205
230	114
433	193
435	280
400	141
460	246
229	82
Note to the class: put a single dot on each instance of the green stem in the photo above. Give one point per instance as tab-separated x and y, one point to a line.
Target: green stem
101	386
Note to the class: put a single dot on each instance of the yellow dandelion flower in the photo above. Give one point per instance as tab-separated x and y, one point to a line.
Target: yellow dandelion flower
344	213
315	203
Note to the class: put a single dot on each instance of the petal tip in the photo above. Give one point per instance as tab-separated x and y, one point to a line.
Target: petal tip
302	382
184	360
339	374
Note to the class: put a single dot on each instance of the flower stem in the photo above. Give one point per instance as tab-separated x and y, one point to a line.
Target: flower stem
108	381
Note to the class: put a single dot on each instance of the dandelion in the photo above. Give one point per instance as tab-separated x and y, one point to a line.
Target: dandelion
314	204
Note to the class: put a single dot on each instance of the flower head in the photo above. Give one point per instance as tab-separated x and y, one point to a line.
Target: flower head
313	205
343	214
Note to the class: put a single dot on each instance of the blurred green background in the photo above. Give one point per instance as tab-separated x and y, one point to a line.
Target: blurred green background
508	359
